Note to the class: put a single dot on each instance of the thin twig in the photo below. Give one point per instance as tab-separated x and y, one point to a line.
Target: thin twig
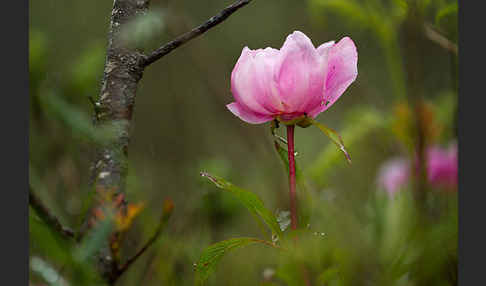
438	38
47	216
166	213
199	30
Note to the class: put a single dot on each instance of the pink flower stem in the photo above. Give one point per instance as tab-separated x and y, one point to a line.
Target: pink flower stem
293	194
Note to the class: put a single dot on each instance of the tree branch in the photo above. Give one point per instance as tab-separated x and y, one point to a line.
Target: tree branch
124	66
166	213
47	216
199	30
122	73
439	39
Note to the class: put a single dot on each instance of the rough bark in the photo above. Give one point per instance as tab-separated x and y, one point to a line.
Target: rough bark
114	108
123	70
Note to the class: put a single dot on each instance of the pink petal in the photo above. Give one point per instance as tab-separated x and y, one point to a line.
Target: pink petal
248	115
316	100
264	86
323	49
243	85
442	166
300	76
342	70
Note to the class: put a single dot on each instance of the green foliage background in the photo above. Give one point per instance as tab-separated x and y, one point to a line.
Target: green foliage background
181	127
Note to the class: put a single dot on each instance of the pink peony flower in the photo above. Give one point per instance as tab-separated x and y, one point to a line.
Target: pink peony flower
294	81
394	175
442	166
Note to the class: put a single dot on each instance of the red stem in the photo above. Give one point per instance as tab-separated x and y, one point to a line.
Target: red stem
293	194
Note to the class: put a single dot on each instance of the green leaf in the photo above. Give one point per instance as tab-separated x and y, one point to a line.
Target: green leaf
360	125
213	254
334	136
251	201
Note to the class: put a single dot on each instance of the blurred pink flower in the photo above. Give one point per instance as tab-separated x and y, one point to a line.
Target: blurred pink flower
394	174
441	167
298	79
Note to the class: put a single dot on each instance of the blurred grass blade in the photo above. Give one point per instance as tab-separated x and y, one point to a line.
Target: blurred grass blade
251	201
347	8
448	10
37	53
47	271
329	275
334	136
213	254
143	28
75	119
305	197
96	238
84	69
283	154
360	125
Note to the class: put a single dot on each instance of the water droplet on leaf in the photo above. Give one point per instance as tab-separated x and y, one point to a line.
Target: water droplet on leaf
283	219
